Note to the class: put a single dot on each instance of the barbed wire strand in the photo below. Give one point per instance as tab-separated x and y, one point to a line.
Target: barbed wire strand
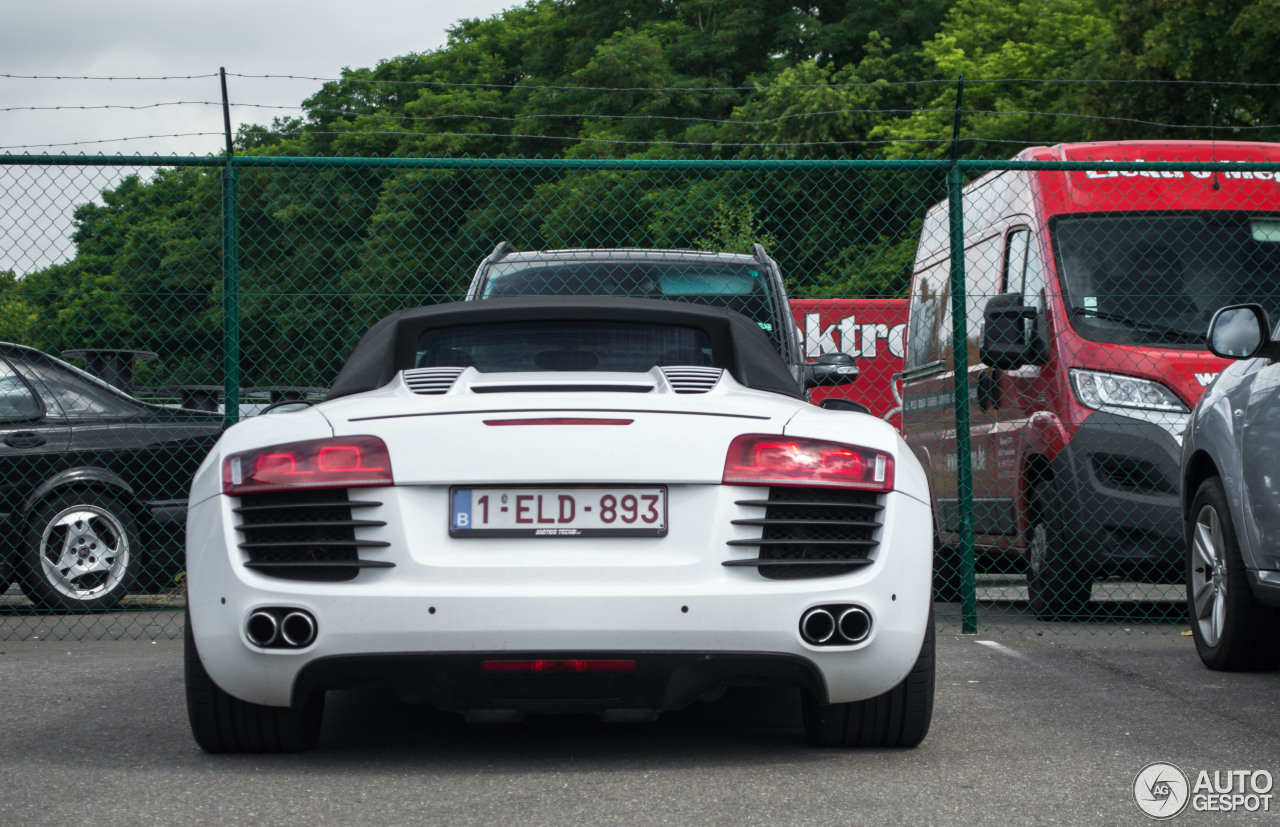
600	116
110	140
11	76
862	84
553	87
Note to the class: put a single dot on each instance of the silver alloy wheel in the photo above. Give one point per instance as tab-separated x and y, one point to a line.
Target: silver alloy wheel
84	552
1209	576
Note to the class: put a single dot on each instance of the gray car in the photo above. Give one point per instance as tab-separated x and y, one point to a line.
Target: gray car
1231	498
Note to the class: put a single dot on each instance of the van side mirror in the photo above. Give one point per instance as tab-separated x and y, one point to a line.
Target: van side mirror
1241	331
830	370
1003	344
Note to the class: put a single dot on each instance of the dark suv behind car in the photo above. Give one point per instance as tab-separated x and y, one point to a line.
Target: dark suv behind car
749	284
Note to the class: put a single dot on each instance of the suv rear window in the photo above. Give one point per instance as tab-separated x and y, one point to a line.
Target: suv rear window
741	287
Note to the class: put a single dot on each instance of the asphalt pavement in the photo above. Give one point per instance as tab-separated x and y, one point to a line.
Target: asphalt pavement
1028	728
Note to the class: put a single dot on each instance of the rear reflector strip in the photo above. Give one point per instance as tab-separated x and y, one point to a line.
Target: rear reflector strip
558	666
558	421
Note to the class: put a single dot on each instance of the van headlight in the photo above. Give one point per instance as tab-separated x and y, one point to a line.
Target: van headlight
1102	391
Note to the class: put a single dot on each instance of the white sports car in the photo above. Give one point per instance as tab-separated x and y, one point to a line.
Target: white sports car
568	504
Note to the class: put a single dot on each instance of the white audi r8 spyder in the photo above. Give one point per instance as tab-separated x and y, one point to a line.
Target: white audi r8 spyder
566	504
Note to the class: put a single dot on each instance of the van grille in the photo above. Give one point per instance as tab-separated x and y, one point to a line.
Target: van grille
306	535
1129	474
812	532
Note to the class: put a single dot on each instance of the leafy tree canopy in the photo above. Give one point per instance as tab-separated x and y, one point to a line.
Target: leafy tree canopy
325	251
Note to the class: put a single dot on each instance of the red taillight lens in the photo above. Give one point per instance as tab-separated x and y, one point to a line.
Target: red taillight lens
346	462
760	459
558	666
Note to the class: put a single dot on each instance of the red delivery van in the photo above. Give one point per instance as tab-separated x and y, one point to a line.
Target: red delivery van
1088	297
871	330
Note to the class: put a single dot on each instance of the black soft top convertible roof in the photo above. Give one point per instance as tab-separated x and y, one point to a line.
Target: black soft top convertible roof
737	343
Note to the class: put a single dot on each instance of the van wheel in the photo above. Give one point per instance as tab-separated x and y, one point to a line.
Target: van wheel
947	582
1057	588
223	723
899	718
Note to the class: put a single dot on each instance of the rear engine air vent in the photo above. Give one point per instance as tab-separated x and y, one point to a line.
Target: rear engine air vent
685	379
306	535
812	532
429	381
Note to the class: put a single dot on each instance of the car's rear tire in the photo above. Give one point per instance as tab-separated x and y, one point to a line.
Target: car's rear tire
899	718
222	723
80	552
1058	588
1232	630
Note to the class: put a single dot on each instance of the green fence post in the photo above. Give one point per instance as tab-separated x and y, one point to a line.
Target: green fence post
230	276
960	361
960	358
230	298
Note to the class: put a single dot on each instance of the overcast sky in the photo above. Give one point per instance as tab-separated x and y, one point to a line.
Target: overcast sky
166	38
161	38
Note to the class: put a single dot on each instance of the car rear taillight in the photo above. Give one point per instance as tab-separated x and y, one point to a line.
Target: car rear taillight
760	459
346	462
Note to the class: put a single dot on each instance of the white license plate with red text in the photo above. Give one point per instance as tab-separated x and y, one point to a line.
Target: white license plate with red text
558	512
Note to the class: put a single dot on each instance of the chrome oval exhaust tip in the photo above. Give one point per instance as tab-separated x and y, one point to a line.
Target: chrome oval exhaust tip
854	624
262	628
817	626
298	629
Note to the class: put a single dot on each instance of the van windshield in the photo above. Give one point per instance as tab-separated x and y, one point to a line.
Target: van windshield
741	287
1155	279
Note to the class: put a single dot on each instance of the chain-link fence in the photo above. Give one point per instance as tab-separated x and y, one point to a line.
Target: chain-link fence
193	292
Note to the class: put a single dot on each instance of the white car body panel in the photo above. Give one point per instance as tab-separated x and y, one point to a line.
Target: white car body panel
560	594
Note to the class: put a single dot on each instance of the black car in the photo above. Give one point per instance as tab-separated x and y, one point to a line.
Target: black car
93	483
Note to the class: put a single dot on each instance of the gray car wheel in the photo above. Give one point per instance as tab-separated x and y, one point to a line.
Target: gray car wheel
81	552
1232	630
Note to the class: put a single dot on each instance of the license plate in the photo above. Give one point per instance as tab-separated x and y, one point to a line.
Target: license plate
558	512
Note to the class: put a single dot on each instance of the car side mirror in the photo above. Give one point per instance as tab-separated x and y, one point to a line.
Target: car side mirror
1004	344
1241	331
830	370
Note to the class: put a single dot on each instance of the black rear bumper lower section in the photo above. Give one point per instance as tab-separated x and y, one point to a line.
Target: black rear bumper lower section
660	681
1115	496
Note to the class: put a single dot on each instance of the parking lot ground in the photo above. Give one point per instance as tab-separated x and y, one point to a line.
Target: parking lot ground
1028	728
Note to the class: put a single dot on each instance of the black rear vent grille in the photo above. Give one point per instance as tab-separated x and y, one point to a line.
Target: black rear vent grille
431	381
692	379
306	535
812	532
